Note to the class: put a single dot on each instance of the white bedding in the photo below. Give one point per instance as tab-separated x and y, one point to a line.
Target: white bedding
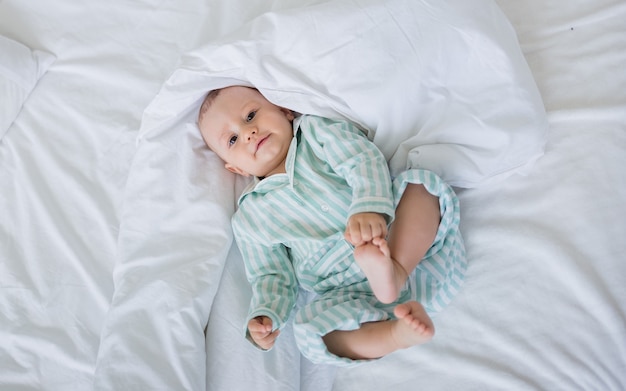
110	271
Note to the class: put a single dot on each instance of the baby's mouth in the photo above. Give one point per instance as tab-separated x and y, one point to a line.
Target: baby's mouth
261	142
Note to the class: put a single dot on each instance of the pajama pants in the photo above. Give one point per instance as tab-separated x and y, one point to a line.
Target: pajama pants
434	283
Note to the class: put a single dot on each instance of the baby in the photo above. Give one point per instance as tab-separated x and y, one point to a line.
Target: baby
323	214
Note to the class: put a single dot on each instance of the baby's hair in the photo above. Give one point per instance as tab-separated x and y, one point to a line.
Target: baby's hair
207	103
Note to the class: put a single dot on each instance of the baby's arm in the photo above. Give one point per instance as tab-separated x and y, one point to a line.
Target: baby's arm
363	227
260	329
271	275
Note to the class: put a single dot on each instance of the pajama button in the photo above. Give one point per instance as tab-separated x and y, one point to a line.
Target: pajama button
325	208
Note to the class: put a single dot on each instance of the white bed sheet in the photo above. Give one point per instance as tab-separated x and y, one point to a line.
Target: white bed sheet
64	164
544	302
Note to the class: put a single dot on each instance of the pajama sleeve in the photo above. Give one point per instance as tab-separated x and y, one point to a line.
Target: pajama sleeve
270	273
354	157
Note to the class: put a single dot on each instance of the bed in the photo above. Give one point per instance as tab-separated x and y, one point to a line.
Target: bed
117	264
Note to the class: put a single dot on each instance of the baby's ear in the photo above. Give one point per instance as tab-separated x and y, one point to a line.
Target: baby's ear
236	170
288	113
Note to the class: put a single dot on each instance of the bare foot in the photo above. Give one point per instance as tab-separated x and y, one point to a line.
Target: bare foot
375	262
374	259
414	326
377	339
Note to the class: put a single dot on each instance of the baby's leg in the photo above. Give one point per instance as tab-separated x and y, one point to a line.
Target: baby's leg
377	339
414	229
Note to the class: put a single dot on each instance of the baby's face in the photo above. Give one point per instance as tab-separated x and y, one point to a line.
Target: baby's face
248	132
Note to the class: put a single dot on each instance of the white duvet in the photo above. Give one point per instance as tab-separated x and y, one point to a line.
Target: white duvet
411	79
117	270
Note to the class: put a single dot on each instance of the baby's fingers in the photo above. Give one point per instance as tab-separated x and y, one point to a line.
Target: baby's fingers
363	227
266	342
379	229
260	325
355	232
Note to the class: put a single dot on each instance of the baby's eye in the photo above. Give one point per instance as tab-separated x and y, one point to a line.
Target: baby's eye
250	116
232	140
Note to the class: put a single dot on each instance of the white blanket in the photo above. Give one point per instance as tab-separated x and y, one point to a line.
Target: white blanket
116	265
406	79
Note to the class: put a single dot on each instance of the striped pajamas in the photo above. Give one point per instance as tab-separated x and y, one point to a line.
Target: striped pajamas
289	228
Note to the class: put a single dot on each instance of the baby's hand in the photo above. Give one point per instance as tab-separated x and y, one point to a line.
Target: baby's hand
363	227
260	329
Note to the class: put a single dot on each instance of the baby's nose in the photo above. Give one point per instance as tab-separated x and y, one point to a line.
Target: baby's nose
251	133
